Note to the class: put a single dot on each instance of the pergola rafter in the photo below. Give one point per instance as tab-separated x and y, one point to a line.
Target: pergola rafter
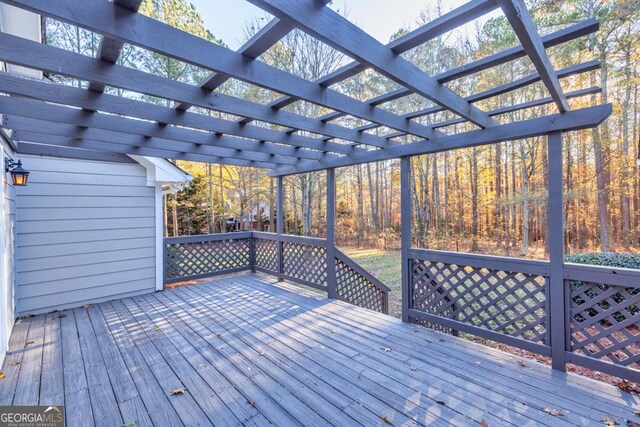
93	120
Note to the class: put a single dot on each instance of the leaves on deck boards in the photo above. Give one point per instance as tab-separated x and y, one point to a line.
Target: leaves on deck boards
61	316
385	419
628	386
87	306
553	411
2	376
28	343
484	423
386	349
632	424
609	421
521	363
179	390
251	403
130	424
413	368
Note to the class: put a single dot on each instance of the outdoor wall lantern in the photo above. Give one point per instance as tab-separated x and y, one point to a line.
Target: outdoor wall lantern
19	175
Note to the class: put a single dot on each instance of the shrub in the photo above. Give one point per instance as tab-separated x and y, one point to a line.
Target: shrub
609	259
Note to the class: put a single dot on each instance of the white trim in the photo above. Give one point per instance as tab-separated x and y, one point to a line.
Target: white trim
161	170
159	237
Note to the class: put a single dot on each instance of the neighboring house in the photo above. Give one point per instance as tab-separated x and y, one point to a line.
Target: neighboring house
87	228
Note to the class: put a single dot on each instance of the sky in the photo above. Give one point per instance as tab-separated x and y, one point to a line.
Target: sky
380	18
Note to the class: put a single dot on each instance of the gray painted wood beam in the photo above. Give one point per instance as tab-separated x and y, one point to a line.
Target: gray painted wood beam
555	234
21	125
279	223
73	153
333	29
81	98
31	54
553	39
536	103
571	120
119	23
406	216
331	234
21	107
110	49
518	16
61	141
429	31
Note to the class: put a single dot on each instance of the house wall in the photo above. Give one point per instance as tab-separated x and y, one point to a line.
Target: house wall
7	248
85	233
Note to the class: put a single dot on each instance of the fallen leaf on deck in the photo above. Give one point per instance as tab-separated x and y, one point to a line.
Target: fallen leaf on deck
628	386
130	424
387	349
385	419
28	343
180	390
521	363
157	329
88	305
413	368
219	336
440	402
637	413
61	316
484	423
1	376
632	424
251	403
553	411
608	421
201	366
15	363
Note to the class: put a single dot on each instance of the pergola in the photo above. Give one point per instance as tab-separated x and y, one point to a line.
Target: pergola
56	119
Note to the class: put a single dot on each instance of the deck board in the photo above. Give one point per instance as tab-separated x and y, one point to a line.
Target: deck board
251	351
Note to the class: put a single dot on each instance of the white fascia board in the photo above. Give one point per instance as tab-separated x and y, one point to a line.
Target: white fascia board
162	171
25	24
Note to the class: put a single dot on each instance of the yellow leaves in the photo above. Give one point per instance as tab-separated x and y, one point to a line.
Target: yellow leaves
385	419
178	391
2	376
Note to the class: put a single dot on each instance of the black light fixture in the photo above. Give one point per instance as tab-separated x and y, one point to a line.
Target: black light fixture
19	175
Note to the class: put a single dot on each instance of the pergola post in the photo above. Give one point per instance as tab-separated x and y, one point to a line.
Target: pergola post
557	316
331	234
405	217
279	222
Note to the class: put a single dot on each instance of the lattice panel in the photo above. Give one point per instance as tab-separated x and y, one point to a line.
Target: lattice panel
185	260
605	322
506	302
266	254
305	262
357	290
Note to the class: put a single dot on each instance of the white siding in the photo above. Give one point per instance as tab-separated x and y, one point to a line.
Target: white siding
85	233
7	264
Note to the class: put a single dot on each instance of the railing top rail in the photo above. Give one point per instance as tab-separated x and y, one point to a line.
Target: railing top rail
515	265
207	237
291	238
628	277
351	263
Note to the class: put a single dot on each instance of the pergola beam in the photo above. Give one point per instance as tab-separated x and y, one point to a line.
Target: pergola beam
584	118
562	36
518	16
22	125
27	53
72	96
21	107
333	29
110	49
61	141
429	31
111	20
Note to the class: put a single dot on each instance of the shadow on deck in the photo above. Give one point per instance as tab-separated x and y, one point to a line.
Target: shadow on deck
249	351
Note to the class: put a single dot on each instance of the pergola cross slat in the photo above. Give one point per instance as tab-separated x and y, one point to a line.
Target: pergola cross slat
94	120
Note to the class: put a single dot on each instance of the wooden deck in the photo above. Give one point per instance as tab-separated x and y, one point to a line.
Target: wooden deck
251	353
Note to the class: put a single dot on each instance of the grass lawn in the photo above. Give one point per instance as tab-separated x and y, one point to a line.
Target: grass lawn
385	266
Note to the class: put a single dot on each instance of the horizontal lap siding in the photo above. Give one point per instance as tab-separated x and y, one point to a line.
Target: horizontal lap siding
7	270
85	233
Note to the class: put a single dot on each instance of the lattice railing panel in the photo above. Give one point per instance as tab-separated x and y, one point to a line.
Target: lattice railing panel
266	254
501	301
355	288
605	322
197	259
305	262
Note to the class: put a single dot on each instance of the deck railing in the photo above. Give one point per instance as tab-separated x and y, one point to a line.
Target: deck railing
507	300
295	258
